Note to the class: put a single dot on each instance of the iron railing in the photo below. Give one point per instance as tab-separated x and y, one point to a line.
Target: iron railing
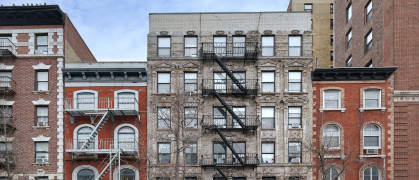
101	104
7	84
229	51
7	47
250	122
226	86
102	144
229	160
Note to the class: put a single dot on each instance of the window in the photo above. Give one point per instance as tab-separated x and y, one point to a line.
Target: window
126	100
294	117
368	41
268	45
41	152
191	117
268	152
311	24
240	148
6	147
164	153
294	45
331	55
294	81
5	78
241	77
368	11
349	62
163	47
239	45
86	100
220	82
83	134
6	114
332	174
331	8
268	117
331	136
348	13
331	40
241	113
191	46
191	82
41	178
163	82
372	173
308	8
126	138
331	99
42	115
372	98
349	39
331	24
268	81
372	134
369	64
219	152
85	174
220	45
42	80
294	152
220	117
41	46
191	155
6	41
163	118
127	174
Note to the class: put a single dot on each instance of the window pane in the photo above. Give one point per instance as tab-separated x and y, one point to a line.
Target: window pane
268	114
190	76
163	77
191	42
369	37
267	147
268	41
164	148
295	41
239	147
42	76
41	146
126	100
239	41
294	51
164	42
42	40
219	148
191	117
268	76
42	111
295	76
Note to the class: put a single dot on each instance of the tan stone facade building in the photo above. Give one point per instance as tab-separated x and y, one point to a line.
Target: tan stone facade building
229	96
322	26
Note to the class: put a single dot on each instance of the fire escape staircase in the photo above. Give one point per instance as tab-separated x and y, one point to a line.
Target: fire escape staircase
114	158
96	130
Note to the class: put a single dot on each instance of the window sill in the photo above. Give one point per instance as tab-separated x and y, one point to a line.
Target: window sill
334	157
295	128
333	109
40	92
40	127
334	149
41	164
163	94
372	156
372	109
267	129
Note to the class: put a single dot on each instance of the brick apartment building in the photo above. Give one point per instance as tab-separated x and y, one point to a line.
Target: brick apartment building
371	33
34	43
229	96
322	27
353	123
105	122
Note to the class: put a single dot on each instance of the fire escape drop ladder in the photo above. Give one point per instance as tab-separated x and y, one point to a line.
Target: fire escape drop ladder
96	130
116	159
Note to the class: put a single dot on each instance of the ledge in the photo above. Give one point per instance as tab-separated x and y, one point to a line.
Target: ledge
41	164
372	109
40	127
372	156
40	92
333	109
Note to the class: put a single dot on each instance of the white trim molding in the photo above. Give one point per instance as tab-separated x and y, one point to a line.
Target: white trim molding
75	135
116	171
84	91
4	102
41	138
41	102
60	118
115	95
115	136
42	66
6	67
81	167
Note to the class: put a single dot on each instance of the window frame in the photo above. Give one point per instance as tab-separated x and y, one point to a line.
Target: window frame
78	141
368	45
124	143
239	47
158	83
368	14
300	118
185	48
224	159
37	117
330	172
331	55
349	39
262	153
169	124
379	137
300	153
300	47
267	82
348	15
159	153
243	157
339	99
365	98
121	92
92	171
37	46
127	175
262	117
331	136
194	155
38	81
188	83
158	46
331	8
331	40
331	24
195	117
42	152
271	47
221	46
300	82
371	167
308	10
349	61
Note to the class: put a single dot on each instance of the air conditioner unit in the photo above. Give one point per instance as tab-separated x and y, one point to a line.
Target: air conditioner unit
295	125
295	160
41	123
41	160
372	151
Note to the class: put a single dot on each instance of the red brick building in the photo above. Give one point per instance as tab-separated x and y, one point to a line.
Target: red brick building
105	122
383	33
34	43
353	123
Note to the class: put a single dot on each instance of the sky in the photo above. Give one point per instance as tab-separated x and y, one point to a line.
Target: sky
116	30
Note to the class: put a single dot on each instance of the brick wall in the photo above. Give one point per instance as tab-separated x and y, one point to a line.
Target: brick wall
76	49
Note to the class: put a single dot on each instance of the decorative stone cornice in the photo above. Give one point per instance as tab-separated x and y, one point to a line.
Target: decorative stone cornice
406	96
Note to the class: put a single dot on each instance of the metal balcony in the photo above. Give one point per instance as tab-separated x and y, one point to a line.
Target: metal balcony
7	48
7	158
250	160
209	122
7	85
227	87
102	146
6	123
88	106
245	51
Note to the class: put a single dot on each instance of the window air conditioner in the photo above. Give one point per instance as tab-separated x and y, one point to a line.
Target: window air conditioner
41	123
295	160
372	151
41	160
295	125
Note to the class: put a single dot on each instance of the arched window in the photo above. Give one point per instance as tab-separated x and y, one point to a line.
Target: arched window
372	138
85	100
83	135
372	173
127	174
126	100
126	138
85	174
332	174
331	136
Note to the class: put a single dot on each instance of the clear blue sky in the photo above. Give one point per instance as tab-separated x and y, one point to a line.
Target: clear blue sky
116	30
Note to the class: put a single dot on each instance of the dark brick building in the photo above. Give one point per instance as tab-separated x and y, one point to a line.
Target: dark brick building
381	34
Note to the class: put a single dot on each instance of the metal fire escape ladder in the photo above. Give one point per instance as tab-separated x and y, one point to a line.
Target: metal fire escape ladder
221	172
96	130
113	160
230	74
229	145
235	117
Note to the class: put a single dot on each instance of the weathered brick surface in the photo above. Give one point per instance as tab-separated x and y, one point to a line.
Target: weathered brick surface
76	49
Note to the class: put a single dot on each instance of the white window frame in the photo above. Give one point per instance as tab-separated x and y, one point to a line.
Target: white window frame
326	133
115	135
268	82
379	99
271	47
300	45
379	137
136	171
161	47
339	99
75	138
379	173
81	167
170	82
191	47
185	83
115	95
300	82
75	93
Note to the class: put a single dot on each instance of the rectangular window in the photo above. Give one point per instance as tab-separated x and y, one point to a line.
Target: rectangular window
41	152
191	82
239	45
220	116
191	117
219	152
42	80
308	8
6	147
191	46
240	148
268	152
331	8
163	118
368	11
6	114
294	152
268	117
349	39
268	45
368	41
41	46
294	45
294	81
164	153
372	98
241	77
311	24
6	41
348	13
349	62
42	115
163	82
331	24
241	113
294	117
163	47
220	82
5	78
268	81
331	40
191	154
220	45
331	55
331	99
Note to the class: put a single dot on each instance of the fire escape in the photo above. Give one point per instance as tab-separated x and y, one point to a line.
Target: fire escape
231	86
